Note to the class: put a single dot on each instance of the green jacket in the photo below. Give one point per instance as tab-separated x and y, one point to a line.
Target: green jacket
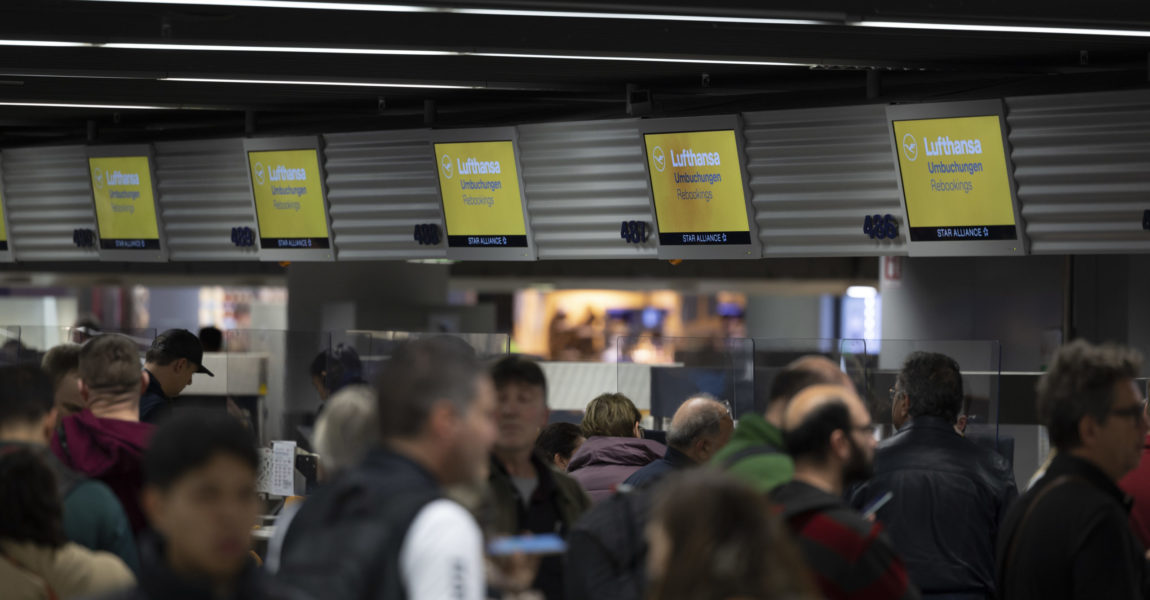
763	471
570	501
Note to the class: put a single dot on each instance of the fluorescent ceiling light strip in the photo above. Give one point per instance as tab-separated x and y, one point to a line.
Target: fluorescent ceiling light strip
701	61
285	49
44	44
493	12
1005	28
77	105
397	52
332	83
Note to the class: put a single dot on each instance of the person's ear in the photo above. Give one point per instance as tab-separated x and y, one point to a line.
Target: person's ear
1088	430
85	392
840	445
636	432
48	423
144	381
558	461
442	421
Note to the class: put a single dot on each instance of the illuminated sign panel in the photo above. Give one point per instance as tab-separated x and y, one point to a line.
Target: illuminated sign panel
125	206
697	184
289	199
955	179
482	202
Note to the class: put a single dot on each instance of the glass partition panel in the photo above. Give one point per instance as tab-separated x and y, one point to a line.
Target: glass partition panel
773	355
372	348
11	350
658	374
267	375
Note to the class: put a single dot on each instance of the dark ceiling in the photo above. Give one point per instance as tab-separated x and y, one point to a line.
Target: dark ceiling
839	62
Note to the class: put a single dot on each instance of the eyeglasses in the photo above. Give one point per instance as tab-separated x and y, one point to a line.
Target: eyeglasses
893	393
1133	412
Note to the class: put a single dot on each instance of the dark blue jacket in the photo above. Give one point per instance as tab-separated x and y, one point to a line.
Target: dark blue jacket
154	404
950	499
672	460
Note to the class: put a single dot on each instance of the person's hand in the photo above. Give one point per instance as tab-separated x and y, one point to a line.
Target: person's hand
515	573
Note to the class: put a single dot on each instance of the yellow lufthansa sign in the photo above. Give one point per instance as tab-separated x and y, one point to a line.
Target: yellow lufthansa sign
697	184
482	204
955	179
125	208
289	199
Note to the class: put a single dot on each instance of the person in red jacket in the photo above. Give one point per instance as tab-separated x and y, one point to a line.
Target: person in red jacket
106	440
1136	484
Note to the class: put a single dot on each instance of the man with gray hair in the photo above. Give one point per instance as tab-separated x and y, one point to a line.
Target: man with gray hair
699	429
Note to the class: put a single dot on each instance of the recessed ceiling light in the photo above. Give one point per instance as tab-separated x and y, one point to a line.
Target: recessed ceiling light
80	105
331	83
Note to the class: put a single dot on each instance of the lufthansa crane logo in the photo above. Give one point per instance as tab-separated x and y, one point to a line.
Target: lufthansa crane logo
259	171
98	174
658	159
445	162
910	147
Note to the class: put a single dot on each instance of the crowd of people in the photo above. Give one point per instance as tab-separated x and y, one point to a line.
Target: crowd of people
444	479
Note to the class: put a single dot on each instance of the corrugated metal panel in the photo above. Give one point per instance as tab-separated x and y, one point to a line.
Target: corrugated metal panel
582	180
816	174
48	198
204	193
380	185
1082	163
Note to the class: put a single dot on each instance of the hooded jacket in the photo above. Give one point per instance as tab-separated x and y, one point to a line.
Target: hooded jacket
109	450
602	462
34	572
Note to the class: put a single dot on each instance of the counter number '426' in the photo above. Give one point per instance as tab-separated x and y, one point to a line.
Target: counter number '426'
880	227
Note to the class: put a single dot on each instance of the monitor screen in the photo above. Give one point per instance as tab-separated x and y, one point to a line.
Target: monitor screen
479	188
125	206
955	179
697	186
290	208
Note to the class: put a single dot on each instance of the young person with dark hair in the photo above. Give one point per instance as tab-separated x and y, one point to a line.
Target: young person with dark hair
175	356
1069	536
829	434
558	442
332	370
62	364
200	497
93	516
384	530
36	560
755	453
106	440
950	495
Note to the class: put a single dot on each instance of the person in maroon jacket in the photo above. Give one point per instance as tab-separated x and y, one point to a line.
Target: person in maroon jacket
106	440
830	435
614	449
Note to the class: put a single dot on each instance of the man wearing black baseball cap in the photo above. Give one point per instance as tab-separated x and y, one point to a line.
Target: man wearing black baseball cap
174	357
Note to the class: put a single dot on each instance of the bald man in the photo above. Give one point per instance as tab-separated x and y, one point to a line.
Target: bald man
756	453
829	434
699	429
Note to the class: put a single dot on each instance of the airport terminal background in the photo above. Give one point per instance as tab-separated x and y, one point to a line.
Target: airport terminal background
656	339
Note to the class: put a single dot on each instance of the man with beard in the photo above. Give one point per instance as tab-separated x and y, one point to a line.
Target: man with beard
829	434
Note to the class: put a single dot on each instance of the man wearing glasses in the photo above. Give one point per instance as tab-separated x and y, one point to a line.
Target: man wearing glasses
830	435
1068	536
949	495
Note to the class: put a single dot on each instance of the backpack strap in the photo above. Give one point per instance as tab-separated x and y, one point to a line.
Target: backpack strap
1012	547
744	453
